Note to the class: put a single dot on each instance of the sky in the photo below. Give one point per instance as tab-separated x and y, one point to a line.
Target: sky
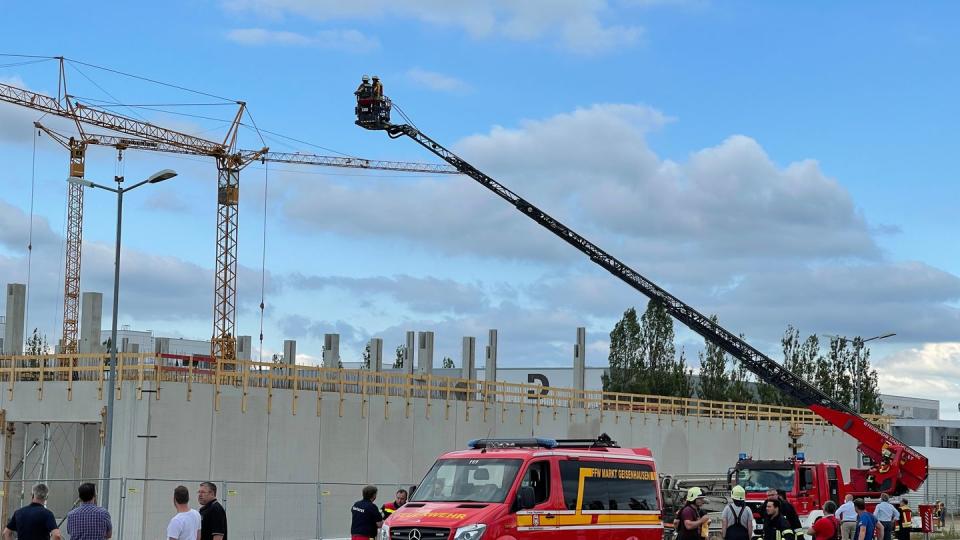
771	163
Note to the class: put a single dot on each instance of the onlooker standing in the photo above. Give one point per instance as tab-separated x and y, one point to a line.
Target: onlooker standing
827	526
398	501
213	518
887	515
185	525
868	527
366	517
33	521
847	514
88	521
737	517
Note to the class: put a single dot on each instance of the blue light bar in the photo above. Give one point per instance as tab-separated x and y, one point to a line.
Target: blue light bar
477	444
743	455
800	456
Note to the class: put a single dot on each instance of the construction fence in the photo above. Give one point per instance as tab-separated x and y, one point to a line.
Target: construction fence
150	371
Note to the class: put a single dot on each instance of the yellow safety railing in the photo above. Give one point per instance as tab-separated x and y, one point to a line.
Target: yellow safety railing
149	371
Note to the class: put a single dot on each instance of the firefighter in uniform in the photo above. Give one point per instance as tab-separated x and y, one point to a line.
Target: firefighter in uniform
905	523
391	507
365	90
776	526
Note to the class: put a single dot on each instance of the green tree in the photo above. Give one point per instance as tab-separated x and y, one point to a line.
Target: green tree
447	363
643	358
398	360
666	375
625	372
715	382
37	345
866	393
739	389
841	370
802	358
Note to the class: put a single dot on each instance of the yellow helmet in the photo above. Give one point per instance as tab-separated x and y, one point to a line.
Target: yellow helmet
694	493
738	493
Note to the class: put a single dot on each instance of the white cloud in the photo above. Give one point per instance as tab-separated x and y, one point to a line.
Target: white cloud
577	25
728	230
437	81
343	39
153	287
931	370
421	294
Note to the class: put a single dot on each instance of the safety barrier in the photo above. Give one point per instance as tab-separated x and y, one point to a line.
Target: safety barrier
150	371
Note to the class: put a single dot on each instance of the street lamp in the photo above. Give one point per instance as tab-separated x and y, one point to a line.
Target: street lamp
856	375
155	178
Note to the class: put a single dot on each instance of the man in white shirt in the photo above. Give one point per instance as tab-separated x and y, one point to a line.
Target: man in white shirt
185	525
847	515
887	514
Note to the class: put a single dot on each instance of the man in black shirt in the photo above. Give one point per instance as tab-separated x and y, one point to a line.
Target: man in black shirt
366	517
213	518
34	521
775	525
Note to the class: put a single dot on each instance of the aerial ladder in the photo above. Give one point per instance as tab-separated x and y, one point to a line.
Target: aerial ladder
897	468
144	135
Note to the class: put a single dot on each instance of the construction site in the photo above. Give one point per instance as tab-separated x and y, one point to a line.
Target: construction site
291	445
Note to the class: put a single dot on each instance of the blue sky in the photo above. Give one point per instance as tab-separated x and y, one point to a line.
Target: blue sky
773	163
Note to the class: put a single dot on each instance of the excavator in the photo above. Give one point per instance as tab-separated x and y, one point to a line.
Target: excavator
895	468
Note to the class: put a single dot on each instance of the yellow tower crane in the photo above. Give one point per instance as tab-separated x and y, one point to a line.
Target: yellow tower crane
148	136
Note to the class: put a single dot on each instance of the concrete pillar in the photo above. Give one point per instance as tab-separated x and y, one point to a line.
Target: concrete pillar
91	313
468	363
425	353
408	353
290	351
579	365
16	312
244	347
926	436
128	347
490	368
580	359
376	354
331	350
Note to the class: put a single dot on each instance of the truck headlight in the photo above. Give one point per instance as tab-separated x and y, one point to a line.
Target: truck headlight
384	533
470	532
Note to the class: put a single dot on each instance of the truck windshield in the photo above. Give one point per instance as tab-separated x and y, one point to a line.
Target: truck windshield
760	480
468	480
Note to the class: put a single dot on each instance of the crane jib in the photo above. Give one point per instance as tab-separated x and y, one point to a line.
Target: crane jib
765	368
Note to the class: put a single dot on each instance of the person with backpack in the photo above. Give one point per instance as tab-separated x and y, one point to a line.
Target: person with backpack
737	518
826	527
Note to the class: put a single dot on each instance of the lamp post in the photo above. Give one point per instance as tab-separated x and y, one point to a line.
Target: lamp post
856	400
160	176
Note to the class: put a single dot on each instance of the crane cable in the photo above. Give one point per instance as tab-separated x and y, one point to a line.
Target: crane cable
263	257
33	184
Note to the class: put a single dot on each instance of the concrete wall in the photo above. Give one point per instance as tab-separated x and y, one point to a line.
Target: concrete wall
349	444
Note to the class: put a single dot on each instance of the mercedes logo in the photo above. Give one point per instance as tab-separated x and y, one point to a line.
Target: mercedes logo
414	534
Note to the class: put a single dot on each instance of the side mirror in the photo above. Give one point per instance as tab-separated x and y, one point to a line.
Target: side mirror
526	498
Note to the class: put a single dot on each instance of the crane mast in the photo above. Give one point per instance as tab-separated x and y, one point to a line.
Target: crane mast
223	339
145	135
903	467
